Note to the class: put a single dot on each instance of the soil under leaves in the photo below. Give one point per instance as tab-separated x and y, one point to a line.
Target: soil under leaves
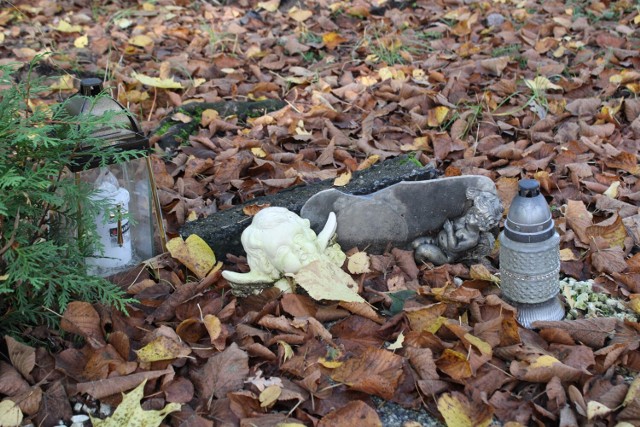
506	89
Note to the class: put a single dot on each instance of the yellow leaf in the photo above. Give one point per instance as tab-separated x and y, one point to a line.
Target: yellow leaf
325	280
541	83
288	351
397	345
194	253
199	82
483	346
81	42
358	263
544	361
148	7
1	37
10	414
162	348
596	409
156	82
182	117
65	27
567	254
141	40
64	83
332	40
342	179
269	396
299	15
368	162
123	23
612	191
367	80
130	413
480	272
436	116
636	20
270	5
330	364
213	326
634	302
259	152
456	413
208	116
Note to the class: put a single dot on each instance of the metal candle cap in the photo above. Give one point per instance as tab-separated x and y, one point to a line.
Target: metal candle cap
529	218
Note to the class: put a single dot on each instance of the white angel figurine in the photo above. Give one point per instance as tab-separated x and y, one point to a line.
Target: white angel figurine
279	243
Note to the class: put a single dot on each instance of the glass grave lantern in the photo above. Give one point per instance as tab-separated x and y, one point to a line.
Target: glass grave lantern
130	227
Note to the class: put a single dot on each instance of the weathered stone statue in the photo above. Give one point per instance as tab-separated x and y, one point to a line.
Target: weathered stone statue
454	212
466	237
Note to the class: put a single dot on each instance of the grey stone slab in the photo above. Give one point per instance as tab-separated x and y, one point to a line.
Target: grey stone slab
393	216
223	229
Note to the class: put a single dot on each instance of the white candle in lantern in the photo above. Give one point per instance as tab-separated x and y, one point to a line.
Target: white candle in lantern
112	225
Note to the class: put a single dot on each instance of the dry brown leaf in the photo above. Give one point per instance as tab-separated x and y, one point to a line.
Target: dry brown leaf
579	219
376	371
82	319
592	332
225	372
345	416
22	356
116	385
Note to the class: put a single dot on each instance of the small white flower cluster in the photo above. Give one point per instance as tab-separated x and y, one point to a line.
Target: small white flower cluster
584	302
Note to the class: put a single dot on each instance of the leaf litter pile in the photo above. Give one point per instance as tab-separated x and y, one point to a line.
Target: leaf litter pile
506	89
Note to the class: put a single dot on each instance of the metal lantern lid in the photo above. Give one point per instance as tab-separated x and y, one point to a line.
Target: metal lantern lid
529	218
125	134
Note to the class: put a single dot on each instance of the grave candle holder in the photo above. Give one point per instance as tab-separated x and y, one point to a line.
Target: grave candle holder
530	257
130	227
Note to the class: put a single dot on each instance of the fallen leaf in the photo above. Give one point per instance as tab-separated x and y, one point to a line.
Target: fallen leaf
141	40
376	371
157	82
397	345
358	263
65	27
82	319
162	348
353	413
342	179
269	396
332	40
22	356
194	253
64	83
269	5
10	414
81	42
299	15
223	373
130	413
325	280
458	411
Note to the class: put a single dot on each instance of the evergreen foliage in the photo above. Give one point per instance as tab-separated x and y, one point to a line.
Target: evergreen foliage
42	206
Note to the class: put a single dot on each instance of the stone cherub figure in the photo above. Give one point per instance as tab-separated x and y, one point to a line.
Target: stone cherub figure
467	237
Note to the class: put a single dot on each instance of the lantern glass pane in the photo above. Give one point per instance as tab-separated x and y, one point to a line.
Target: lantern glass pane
125	227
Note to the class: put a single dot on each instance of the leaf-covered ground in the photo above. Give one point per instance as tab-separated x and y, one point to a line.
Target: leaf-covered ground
507	89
